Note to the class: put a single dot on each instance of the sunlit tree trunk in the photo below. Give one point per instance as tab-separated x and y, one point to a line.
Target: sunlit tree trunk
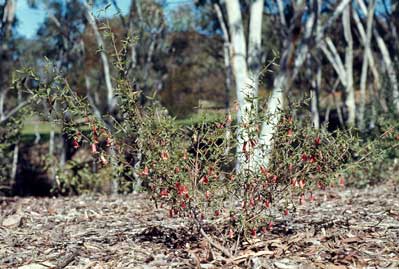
363	76
254	45
240	71
349	90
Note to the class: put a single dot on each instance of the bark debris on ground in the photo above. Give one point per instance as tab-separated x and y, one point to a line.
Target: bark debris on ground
348	228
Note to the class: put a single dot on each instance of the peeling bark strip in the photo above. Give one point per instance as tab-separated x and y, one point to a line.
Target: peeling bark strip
100	43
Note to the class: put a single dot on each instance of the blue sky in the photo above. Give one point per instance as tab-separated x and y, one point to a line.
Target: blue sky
29	19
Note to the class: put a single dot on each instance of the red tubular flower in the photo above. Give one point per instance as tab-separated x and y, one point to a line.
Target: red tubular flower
108	142
93	148
253	232
286	212
164	193
312	159
231	233
146	171
171	212
267	204
252	202
290	132
302	200
183	205
317	141
182	190
294	182
270	226
217	213
244	147
164	155
302	183
311	197
263	170
304	157
204	180
264	230
341	181
75	144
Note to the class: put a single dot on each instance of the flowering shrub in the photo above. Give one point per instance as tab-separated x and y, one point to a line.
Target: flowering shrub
190	170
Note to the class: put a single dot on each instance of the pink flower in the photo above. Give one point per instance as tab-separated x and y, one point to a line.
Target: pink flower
146	171
317	141
204	180
75	144
164	155
93	148
342	181
164	193
270	226
302	183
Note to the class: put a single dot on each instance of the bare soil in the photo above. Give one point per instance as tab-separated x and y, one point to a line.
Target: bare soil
344	228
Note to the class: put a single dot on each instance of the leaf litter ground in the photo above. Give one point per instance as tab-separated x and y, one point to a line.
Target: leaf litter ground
343	228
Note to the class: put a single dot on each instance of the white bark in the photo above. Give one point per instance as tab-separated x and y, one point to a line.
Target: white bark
314	95
370	56
363	77
254	45
104	58
333	57
387	60
349	91
281	13
240	71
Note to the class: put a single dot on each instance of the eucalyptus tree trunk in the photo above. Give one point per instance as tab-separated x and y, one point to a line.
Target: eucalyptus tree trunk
110	92
370	58
387	61
254	45
349	90
240	72
104	58
314	99
363	77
